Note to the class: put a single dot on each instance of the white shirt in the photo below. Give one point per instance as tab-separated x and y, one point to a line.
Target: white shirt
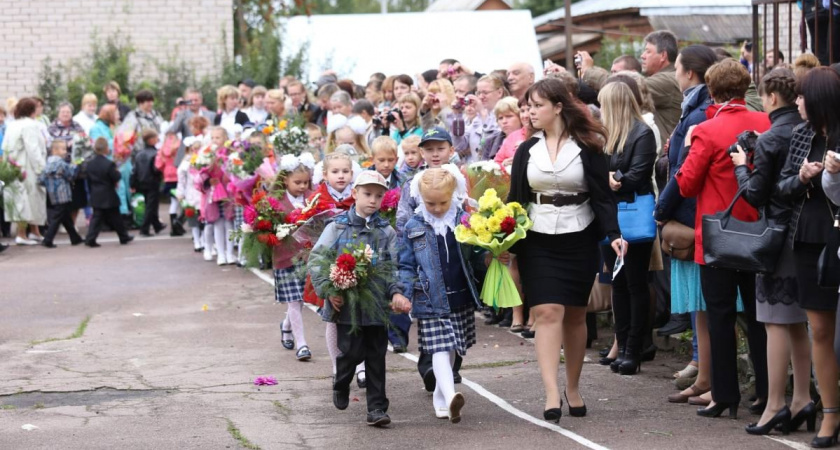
228	119
297	202
564	177
85	121
256	116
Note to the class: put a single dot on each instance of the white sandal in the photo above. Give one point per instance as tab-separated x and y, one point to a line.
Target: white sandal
690	371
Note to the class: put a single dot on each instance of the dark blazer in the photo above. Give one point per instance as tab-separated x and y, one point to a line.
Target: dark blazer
595	172
771	152
241	118
102	176
635	162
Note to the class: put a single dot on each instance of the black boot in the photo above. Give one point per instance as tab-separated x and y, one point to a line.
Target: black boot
632	363
618	360
177	229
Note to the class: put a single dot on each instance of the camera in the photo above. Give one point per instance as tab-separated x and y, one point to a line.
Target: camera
184	102
392	115
578	60
746	140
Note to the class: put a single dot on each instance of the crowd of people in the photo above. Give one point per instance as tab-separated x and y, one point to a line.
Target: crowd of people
681	131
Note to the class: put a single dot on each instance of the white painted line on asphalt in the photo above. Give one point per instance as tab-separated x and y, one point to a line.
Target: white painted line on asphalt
480	390
791	444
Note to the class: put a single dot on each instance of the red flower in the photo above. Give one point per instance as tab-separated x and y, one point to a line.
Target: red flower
263	225
268	239
189	212
257	197
508	225
346	262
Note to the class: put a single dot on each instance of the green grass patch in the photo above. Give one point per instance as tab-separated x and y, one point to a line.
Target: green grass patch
80	331
490	365
6	407
236	434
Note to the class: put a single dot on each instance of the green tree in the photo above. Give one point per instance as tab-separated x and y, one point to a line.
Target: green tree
540	7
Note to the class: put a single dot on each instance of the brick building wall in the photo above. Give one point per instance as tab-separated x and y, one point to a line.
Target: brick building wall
789	40
62	29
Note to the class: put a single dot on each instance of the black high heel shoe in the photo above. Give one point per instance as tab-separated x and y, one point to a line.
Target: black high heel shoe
618	360
781	419
718	409
758	408
604	351
808	414
827	441
630	366
553	414
575	411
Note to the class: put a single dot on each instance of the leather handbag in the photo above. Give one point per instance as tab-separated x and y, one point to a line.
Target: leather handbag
678	241
828	264
635	219
729	243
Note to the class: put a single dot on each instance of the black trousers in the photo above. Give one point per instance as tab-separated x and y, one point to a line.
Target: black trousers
368	345
631	298
58	215
152	210
720	288
112	217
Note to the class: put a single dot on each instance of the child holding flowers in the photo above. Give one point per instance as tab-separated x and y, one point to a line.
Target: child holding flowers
186	193
295	176
444	297
216	205
361	237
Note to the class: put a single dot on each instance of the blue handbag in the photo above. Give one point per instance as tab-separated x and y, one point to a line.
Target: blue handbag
636	219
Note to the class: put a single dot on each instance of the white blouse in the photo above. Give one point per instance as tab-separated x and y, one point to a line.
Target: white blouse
564	177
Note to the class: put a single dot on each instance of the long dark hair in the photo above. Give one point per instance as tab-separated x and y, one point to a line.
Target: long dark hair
578	121
820	88
698	59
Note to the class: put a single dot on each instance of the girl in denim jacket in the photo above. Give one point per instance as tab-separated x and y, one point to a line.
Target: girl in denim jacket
436	274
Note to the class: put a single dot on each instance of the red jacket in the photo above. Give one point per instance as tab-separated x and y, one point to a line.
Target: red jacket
708	173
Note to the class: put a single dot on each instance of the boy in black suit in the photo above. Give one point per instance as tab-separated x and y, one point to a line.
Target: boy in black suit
146	179
103	176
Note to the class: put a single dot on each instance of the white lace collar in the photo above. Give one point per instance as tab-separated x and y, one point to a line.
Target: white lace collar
440	224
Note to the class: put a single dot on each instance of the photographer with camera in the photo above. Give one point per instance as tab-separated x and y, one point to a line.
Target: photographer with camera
435	110
194	102
709	175
777	305
467	139
404	119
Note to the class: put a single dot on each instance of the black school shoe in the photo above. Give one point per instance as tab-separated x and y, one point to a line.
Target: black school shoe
341	399
429	380
378	418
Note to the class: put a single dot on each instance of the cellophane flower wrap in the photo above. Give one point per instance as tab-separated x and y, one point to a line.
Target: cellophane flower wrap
495	226
82	146
123	144
390	203
484	175
264	227
360	277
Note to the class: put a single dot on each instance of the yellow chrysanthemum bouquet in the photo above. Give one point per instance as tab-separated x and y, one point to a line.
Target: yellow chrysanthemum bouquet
496	226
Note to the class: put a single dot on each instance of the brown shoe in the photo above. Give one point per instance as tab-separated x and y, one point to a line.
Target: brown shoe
680	398
698	401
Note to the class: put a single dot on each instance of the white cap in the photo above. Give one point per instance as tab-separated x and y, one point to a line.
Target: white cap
368	177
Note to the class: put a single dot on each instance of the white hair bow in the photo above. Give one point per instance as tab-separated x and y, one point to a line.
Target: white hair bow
460	186
335	122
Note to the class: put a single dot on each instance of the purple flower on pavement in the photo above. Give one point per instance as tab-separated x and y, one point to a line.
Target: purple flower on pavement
265	381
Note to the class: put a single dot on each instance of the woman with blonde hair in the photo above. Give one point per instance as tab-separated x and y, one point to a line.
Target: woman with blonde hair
227	97
489	90
435	110
407	122
86	116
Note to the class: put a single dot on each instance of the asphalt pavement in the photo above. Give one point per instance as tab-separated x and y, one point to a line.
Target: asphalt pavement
149	346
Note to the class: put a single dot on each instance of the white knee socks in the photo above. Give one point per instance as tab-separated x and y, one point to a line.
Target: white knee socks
209	239
332	342
231	259
445	387
174	206
294	319
196	234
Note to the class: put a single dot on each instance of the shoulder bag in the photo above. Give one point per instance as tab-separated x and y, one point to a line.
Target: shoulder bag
678	241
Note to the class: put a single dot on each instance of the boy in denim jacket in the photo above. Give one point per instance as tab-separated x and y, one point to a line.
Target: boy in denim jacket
361	224
57	177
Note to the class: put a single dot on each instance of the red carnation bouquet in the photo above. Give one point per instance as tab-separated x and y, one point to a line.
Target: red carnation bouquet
264	227
390	202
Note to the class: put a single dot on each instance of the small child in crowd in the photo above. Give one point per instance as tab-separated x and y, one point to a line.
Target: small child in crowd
186	192
102	176
384	154
146	179
412	158
445	308
436	149
216	206
361	224
316	140
296	175
57	178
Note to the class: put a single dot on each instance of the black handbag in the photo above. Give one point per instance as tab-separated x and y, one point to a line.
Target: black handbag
828	264
729	243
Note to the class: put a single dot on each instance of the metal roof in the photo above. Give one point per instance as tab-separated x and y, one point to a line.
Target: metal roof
720	29
458	5
652	8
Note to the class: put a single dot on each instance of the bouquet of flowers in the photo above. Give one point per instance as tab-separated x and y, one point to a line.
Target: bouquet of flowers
203	158
484	175
359	276
124	143
10	171
264	227
82	146
190	211
286	137
496	226
390	202
244	159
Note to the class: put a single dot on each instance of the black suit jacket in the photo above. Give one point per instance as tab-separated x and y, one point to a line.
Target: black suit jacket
103	176
241	118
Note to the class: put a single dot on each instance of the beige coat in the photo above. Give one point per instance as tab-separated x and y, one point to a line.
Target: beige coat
26	201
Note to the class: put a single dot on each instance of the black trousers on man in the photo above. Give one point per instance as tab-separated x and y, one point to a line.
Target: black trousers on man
151	219
112	217
720	289
368	345
59	215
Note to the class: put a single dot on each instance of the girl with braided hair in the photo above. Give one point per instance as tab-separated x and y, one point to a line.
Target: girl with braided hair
776	294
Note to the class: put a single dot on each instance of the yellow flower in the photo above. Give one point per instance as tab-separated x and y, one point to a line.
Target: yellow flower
485	237
268	130
502	213
489	201
478	223
282	125
463	233
193	158
494	224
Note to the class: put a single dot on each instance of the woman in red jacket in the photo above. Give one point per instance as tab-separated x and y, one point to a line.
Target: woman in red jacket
709	175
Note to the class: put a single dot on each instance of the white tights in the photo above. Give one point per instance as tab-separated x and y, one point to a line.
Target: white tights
332	347
196	234
294	321
208	238
445	387
221	233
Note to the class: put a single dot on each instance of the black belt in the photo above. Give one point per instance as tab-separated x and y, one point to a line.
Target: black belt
560	200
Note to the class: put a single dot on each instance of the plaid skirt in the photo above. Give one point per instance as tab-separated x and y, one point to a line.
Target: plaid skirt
288	287
238	217
444	334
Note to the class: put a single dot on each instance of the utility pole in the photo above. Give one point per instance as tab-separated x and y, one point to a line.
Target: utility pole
570	48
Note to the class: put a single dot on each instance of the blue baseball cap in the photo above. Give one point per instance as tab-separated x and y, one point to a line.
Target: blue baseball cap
435	134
